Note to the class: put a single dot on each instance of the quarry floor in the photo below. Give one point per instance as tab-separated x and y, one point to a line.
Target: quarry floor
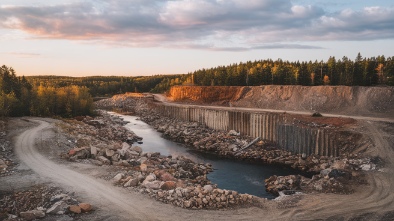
374	201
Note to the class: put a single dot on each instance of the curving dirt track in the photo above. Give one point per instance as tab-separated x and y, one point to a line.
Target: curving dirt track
370	202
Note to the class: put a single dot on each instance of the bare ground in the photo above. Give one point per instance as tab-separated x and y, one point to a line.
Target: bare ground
39	145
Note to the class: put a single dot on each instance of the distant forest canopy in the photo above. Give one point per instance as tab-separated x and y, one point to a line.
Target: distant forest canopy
18	97
360	72
110	85
72	96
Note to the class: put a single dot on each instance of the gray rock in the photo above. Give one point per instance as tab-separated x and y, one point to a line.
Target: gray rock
208	188
134	153
93	150
32	214
104	160
151	177
117	178
131	182
154	185
325	172
137	149
109	153
60	197
233	133
58	208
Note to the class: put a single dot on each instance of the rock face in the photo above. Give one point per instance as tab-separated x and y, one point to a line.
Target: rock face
334	99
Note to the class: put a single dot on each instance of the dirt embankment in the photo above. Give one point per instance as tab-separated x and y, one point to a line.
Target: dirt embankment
363	101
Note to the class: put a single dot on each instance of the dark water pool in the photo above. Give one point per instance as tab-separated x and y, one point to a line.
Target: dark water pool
228	174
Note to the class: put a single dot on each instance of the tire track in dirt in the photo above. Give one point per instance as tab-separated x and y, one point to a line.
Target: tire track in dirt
99	192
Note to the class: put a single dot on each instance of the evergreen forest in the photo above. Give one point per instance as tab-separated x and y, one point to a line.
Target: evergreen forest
73	96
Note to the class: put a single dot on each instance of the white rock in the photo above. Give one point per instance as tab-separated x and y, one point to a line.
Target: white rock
208	188
117	178
93	150
151	177
58	208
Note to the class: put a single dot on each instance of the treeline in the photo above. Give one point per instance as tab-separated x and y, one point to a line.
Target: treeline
358	72
18	97
109	85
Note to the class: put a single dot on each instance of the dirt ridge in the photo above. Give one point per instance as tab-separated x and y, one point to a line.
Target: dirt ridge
363	101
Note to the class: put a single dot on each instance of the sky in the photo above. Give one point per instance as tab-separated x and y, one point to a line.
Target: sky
149	37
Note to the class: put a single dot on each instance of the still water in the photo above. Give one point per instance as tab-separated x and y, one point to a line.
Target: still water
228	174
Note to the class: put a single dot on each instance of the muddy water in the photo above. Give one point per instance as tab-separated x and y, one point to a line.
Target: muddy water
228	174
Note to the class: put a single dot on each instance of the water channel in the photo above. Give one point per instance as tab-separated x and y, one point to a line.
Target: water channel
228	174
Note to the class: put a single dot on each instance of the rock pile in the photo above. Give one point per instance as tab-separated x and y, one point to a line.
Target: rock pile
39	202
328	181
6	163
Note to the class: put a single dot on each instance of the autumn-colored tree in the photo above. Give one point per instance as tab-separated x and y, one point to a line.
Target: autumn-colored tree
326	80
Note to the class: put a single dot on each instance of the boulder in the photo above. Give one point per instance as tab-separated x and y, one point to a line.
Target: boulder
117	178
59	197
167	177
151	177
104	160
232	133
137	149
75	209
58	208
143	167
93	150
109	152
169	185
72	152
132	182
125	146
208	188
32	214
154	185
85	207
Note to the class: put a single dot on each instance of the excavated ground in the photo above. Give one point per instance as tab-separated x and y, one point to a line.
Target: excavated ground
359	101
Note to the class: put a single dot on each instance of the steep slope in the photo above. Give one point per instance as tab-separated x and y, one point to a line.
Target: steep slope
363	101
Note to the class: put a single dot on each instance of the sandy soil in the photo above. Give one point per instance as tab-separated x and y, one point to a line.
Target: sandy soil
40	164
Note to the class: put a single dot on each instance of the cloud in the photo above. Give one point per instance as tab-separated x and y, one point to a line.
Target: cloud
215	24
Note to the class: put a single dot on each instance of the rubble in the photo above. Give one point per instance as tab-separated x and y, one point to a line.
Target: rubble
39	202
6	163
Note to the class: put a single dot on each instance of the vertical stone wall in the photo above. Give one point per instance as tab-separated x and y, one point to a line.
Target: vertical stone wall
274	127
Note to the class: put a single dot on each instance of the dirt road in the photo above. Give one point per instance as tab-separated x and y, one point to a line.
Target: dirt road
100	192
